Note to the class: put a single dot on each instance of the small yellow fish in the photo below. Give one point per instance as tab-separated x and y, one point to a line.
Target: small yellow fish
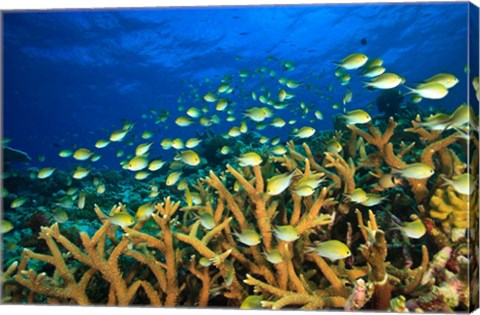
194	112
354	61
81	200
137	163
225	150
250	159
255	114
178	144
318	115
463	184
286	233
147	134
278	122
143	148
374	72
122	219
357	195
188	157
96	157
385	81
184	121
173	178
118	135
60	215
432	90
5	226
205	262
416	170
82	154
333	250
372	200
65	153
144	211
347	98
252	302
248	237
155	165
45	172
279	150
234	132
357	116
279	183
166	143
334	146
141	175
304	132
210	97
243	127
445	79
100	144
274	256
387	181
415	229
192	142
101	189
221	105
292	84
80	172
304	191
206	220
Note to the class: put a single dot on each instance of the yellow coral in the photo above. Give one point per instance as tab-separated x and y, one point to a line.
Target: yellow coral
450	207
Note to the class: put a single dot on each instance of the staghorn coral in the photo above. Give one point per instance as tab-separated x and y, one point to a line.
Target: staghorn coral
171	258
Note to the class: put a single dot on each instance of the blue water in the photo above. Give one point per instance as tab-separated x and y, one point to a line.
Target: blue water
70	77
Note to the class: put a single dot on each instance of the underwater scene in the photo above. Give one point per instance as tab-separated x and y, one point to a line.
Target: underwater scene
313	157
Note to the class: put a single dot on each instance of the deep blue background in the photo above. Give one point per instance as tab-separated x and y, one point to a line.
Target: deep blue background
70	77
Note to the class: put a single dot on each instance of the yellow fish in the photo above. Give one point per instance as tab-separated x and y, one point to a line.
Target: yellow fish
183	121
374	72
5	226
354	61
279	150
357	116
333	250
416	170
178	144
194	112
252	302
286	233
463	184
155	165
118	135
65	153
141	175
415	229
147	134
122	219
445	79
357	195
432	90
248	237
143	148
192	142
278	122
81	200
385	81
145	211
80	172
189	157
334	146
100	144
137	163
173	178
206	220
82	154
372	200
45	172
304	191
225	150
221	105
278	183
250	159
210	97
304	132
274	256
60	215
